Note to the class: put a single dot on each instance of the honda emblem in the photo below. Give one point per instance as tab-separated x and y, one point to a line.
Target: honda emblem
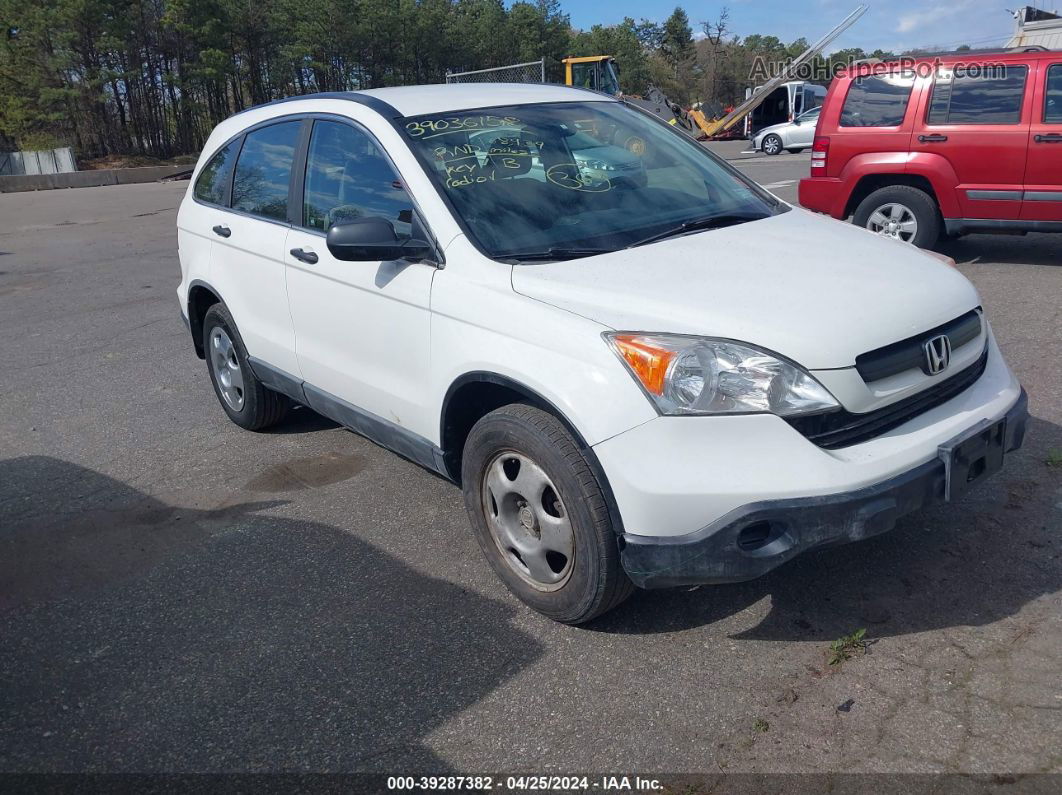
938	354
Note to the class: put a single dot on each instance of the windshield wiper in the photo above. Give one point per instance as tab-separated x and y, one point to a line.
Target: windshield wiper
554	254
697	225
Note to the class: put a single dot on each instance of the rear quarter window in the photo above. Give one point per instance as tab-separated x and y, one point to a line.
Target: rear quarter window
213	182
876	101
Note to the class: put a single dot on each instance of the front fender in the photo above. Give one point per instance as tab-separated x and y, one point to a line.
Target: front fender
481	325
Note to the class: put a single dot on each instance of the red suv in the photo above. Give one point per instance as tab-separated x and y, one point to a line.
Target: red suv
954	144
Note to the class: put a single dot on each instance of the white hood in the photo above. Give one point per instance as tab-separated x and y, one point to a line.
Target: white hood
813	289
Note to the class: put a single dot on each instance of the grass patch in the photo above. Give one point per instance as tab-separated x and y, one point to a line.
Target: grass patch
1054	458
842	649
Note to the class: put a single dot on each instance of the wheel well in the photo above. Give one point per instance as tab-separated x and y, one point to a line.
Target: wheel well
200	299
475	395
873	182
466	405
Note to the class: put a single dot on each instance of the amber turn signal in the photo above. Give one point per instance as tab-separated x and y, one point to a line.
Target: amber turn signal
646	360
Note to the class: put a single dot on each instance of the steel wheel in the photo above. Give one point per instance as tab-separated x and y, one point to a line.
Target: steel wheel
528	521
226	368
894	220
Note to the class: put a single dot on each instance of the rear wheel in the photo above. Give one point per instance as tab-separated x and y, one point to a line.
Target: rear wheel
248	402
901	212
772	144
795	151
539	515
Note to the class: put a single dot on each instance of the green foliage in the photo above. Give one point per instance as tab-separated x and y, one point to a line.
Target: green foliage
620	41
843	648
152	77
676	44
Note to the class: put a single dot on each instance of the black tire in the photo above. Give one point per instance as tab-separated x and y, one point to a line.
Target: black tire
260	406
771	145
595	580
920	204
795	151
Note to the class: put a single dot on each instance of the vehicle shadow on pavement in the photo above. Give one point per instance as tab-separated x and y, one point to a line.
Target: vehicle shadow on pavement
142	636
968	564
1031	249
302	419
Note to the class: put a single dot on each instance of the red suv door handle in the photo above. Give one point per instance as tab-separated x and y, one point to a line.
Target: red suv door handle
932	139
1050	138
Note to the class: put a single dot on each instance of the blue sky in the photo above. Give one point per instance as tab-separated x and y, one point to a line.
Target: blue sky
889	24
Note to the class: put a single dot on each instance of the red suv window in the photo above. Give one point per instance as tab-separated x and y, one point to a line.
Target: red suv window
993	97
1053	98
876	101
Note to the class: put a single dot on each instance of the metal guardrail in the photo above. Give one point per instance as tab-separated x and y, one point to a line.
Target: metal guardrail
45	161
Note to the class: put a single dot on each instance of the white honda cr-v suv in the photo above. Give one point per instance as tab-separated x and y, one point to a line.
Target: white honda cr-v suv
642	368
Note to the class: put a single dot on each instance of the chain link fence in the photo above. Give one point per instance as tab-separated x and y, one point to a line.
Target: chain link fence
530	72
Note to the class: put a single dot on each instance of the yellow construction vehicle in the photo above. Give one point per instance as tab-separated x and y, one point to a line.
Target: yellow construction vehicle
597	72
600	73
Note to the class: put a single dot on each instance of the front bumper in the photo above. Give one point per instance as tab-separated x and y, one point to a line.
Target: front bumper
751	540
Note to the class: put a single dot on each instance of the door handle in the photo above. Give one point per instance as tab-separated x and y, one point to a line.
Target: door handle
932	139
305	255
222	230
1050	138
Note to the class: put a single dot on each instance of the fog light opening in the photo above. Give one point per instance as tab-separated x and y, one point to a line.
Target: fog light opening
756	536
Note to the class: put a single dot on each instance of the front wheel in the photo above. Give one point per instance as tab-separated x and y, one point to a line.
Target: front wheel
772	144
539	515
901	212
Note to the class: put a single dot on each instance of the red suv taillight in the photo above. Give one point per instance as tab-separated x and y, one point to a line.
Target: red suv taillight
819	150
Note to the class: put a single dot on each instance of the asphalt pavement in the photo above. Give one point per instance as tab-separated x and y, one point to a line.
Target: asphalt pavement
177	594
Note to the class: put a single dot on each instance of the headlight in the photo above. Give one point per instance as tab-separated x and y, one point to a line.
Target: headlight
700	375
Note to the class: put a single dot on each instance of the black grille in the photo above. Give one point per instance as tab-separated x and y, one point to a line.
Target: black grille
908	354
843	428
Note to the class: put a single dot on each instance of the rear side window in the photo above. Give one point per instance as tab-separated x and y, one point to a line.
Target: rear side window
877	101
213	182
1053	92
993	97
347	176
264	170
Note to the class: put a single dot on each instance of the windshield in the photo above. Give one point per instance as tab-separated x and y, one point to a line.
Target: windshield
576	178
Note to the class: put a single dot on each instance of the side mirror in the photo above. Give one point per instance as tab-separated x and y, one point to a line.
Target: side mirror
372	240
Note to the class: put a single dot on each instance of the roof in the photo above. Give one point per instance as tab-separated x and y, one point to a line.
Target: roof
443	98
394	103
952	57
